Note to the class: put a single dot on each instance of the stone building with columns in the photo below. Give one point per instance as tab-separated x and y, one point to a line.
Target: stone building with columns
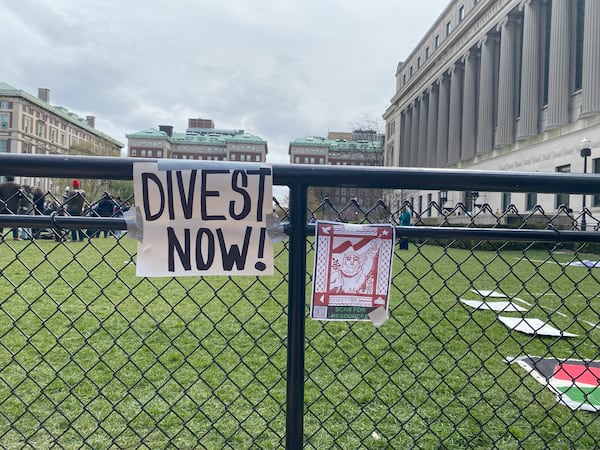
501	85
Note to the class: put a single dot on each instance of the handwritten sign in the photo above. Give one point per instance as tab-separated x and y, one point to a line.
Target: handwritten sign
352	273
203	218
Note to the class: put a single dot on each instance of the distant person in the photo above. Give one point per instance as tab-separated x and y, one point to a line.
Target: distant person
39	202
74	204
26	208
404	222
104	208
9	201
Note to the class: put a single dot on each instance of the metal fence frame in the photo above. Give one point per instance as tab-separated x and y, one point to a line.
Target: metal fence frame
298	178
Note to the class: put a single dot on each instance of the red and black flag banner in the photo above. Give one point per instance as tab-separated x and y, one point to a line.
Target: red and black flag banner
575	382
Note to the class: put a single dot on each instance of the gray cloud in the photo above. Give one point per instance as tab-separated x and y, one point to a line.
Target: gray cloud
279	69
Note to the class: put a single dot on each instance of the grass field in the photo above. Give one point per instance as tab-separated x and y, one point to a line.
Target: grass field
92	356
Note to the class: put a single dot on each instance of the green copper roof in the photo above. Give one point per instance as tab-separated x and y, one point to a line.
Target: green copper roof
340	145
314	141
206	139
7	89
247	137
199	139
148	133
363	146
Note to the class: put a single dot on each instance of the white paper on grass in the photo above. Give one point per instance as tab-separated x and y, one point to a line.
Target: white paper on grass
199	219
585	263
533	326
493	306
485	293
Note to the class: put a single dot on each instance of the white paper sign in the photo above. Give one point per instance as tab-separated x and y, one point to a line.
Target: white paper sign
203	219
493	306
484	293
533	326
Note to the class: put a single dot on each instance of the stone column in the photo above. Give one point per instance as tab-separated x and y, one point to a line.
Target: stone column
423	114
414	134
591	58
531	69
487	95
454	124
442	130
559	86
398	143
469	113
505	130
406	138
432	124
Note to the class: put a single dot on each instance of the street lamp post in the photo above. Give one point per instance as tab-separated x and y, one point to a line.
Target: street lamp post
585	150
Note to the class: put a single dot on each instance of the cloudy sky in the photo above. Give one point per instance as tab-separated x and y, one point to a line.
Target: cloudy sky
279	69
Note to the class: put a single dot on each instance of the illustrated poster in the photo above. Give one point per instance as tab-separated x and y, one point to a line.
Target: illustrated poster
352	270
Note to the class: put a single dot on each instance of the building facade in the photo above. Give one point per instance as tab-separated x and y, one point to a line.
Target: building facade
501	85
199	142
31	124
339	149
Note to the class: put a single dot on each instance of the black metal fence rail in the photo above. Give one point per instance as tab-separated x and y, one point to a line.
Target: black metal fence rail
435	376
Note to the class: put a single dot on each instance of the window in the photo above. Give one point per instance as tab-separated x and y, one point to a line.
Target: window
159	153
505	201
426	53
461	14
26	124
436	41
40	129
411	71
5	105
448	28
26	148
530	200
232	157
133	152
4	121
3	146
257	158
297	160
429	200
563	199
418	62
143	153
40	151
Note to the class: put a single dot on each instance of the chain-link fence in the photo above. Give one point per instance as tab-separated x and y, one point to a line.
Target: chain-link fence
92	356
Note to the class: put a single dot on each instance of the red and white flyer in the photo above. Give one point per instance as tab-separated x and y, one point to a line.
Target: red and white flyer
352	271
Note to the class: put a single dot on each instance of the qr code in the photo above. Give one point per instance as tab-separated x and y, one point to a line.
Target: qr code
320	312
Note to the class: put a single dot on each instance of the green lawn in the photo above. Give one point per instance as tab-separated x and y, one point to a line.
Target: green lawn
92	356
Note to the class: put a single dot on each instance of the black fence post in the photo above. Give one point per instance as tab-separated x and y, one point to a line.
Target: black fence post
296	313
